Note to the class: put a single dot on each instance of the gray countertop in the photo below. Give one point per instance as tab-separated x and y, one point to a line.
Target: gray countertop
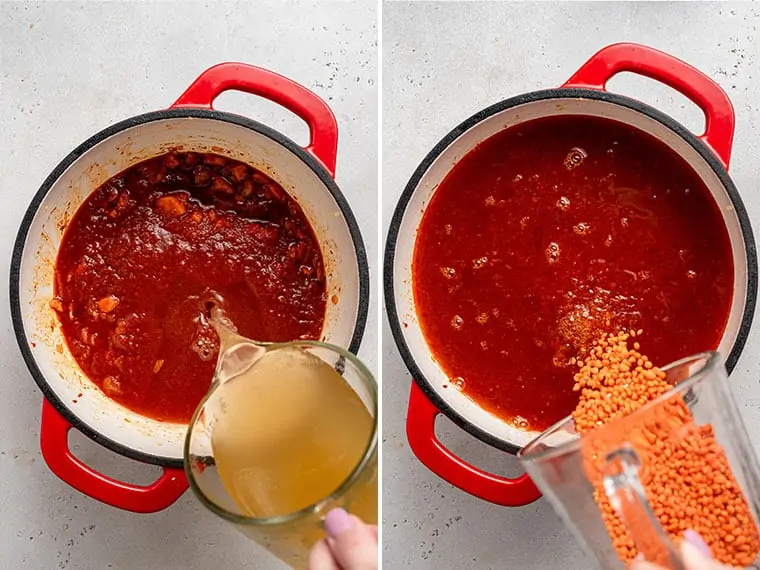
68	70
443	62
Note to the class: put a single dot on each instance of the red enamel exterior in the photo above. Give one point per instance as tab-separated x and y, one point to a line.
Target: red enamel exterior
323	128
323	146
55	450
594	74
420	431
679	75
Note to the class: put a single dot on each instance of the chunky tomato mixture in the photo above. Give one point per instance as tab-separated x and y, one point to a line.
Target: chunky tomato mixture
146	252
549	234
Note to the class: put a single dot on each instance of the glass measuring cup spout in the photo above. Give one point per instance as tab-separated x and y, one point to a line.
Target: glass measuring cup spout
237	354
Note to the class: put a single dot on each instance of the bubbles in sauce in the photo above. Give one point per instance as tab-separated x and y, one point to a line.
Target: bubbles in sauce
563	203
552	252
206	345
521	423
581	228
575	158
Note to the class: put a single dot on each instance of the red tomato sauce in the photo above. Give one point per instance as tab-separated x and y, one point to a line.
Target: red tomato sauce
548	235
146	252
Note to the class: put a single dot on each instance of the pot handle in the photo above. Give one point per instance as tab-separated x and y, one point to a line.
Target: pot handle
687	80
420	431
55	450
323	128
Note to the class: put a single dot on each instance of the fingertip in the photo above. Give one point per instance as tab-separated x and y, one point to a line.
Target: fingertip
694	556
641	564
693	540
354	544
338	521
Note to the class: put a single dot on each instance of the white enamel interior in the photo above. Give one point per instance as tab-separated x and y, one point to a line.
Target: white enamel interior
402	274
111	156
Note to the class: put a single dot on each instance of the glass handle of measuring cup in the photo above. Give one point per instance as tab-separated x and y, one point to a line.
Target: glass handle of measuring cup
626	494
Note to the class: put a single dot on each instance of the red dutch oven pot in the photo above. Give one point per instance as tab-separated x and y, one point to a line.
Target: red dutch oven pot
583	94
191	124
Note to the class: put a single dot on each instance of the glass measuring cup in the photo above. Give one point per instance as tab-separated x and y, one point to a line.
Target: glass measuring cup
291	535
563	465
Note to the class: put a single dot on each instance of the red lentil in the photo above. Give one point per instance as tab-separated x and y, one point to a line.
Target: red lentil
684	471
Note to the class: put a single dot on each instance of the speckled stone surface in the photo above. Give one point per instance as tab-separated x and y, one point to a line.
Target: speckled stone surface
68	70
443	62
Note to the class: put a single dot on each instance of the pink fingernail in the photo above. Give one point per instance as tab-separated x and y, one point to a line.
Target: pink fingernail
694	538
337	522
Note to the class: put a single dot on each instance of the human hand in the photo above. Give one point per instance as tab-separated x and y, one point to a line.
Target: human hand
696	556
350	544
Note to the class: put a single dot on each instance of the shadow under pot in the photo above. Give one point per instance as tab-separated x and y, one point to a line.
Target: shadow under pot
546	220
193	130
